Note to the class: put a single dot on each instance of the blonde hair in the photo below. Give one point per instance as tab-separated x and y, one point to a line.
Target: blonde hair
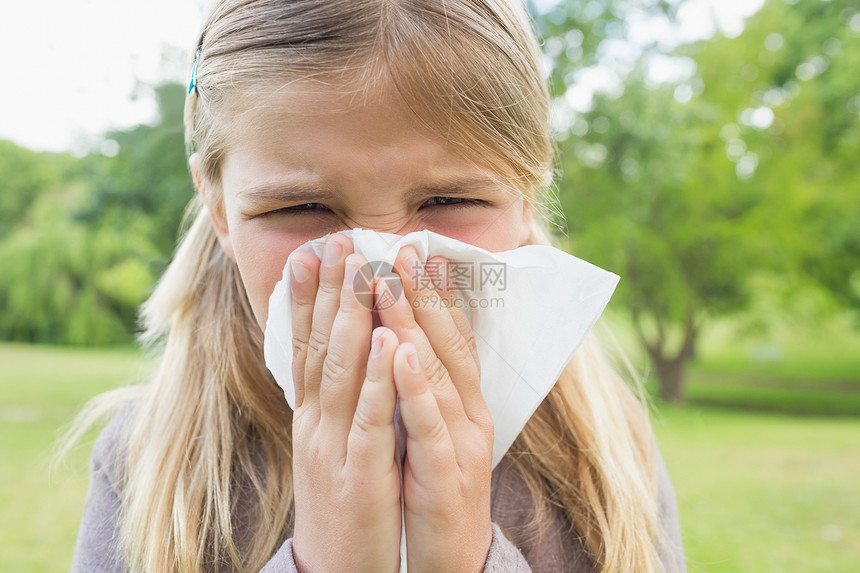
213	424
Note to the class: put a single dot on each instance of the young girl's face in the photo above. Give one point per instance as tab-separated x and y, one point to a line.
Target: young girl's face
310	161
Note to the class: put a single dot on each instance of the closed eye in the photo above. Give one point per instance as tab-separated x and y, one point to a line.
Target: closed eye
319	208
305	207
452	202
315	208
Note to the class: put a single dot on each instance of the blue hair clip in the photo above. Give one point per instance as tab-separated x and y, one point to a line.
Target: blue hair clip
192	87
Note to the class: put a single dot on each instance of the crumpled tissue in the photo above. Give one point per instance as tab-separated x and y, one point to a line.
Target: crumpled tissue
529	308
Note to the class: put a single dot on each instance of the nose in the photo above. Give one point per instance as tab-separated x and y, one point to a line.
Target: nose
400	223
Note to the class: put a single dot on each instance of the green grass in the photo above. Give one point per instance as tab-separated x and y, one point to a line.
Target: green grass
763	492
756	492
41	389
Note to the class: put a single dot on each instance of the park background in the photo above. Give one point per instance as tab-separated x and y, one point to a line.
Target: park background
708	154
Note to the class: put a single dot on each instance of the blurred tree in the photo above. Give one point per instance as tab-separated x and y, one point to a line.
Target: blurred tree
23	174
659	202
67	282
82	240
690	188
796	106
576	35
797	109
147	180
818	137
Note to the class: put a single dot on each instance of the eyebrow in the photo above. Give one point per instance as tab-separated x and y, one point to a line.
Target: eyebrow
286	191
278	191
455	187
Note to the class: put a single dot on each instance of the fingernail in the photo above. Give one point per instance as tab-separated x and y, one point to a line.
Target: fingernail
376	347
412	360
301	273
413	265
350	271
332	252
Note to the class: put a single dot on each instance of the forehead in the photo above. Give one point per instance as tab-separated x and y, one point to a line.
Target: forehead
304	107
347	133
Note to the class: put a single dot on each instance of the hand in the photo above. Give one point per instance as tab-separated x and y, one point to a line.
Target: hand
446	478
346	481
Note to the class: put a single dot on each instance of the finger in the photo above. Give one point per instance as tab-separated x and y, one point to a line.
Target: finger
347	357
446	340
371	441
397	315
429	445
439	270
304	279
457	298
326	305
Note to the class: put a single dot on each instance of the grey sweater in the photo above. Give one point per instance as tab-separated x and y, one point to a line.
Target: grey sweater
97	550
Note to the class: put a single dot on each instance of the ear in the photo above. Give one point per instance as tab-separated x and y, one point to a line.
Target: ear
216	210
526	227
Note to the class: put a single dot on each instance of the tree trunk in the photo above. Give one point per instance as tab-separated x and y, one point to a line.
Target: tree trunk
670	372
670	368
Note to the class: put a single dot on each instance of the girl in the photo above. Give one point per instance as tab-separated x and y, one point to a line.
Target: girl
309	117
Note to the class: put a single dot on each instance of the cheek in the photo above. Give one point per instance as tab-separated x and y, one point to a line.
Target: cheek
493	230
261	256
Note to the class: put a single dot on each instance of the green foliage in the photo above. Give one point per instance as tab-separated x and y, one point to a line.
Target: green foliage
801	62
148	178
83	240
663	204
23	174
572	32
67	282
692	190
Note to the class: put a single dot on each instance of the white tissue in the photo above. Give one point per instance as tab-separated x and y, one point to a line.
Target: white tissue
526	326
